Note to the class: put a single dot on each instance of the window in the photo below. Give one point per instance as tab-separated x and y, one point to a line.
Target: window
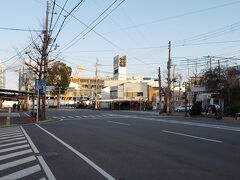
140	94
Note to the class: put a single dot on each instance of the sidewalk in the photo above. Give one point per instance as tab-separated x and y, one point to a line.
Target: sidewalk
15	118
182	114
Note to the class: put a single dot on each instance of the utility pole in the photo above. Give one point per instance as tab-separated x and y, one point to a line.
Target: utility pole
210	64
169	78
189	82
159	89
44	59
173	81
219	83
186	100
179	90
219	71
96	83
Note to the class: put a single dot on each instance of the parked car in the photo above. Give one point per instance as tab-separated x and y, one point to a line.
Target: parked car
213	108
181	108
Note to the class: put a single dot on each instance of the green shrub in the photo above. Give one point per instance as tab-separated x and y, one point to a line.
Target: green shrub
196	109
149	106
233	108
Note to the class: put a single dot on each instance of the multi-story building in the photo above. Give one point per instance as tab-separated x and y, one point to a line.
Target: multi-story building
122	92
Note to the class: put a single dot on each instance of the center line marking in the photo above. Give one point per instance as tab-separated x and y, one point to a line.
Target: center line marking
115	122
196	137
88	161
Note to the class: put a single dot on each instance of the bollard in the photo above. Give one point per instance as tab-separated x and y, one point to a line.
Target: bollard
8	117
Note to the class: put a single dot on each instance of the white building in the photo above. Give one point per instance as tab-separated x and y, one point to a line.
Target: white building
2	75
26	79
122	92
129	91
119	68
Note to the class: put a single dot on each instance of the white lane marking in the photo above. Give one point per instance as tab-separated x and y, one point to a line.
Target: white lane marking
14	148
10	137
14	143
54	117
22	173
40	158
46	168
115	122
42	179
191	136
77	116
69	116
14	139
17	162
91	163
62	117
11	134
19	153
223	127
27	114
34	148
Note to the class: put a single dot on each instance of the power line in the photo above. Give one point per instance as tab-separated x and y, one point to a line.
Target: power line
103	37
19	29
61	27
58	15
76	39
23	50
181	15
51	21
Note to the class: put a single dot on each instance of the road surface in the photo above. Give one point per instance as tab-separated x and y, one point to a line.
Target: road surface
123	145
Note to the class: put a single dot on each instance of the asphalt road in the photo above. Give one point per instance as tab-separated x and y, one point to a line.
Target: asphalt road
87	144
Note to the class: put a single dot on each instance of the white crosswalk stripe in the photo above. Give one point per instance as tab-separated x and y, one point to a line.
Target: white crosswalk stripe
13	139
88	116
9	144
10	137
14	148
17	162
11	134
16	153
22	173
19	153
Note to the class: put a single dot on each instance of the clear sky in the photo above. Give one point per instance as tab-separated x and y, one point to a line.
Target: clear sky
139	29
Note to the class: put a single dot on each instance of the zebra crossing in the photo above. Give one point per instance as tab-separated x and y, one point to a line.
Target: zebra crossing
17	157
101	116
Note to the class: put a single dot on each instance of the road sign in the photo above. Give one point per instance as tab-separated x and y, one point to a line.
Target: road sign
42	84
36	86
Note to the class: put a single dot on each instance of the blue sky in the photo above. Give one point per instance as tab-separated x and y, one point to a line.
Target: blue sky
140	29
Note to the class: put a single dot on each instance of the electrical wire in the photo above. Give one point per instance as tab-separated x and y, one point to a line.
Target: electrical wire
19	29
61	27
75	39
181	15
